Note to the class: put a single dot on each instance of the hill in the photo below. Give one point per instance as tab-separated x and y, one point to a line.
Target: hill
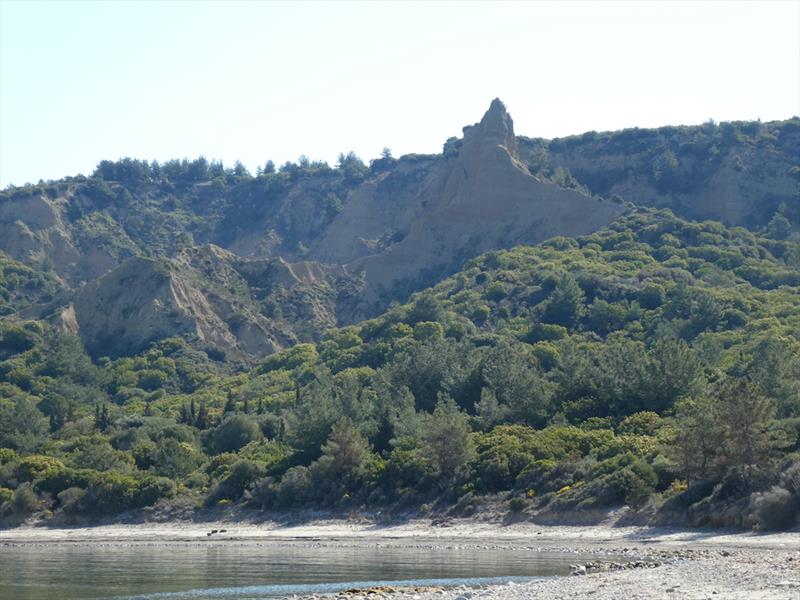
306	247
653	363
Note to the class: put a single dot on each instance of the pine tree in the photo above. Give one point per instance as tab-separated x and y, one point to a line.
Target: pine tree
230	403
102	421
565	305
742	412
202	420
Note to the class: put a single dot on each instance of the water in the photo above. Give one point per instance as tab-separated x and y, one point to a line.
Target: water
250	570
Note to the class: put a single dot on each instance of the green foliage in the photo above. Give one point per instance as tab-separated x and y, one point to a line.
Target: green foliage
25	501
446	439
242	474
22	426
565	305
232	434
586	372
175	459
340	469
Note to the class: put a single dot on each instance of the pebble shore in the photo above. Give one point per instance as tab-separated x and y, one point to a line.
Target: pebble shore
708	574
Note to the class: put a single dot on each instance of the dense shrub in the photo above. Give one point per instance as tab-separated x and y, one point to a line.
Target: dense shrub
777	508
233	433
654	356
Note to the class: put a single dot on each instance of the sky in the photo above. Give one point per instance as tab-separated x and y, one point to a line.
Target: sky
81	82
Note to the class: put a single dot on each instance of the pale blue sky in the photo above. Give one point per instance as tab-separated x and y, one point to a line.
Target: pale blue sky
81	82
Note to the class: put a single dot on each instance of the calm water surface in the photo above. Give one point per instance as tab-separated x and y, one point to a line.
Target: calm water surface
242	570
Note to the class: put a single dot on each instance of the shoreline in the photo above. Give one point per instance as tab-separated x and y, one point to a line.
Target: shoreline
692	563
419	530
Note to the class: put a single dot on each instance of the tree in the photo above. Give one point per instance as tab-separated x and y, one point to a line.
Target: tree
340	467
673	370
230	403
488	411
233	433
56	407
239	170
175	459
434	366
447	439
22	426
565	305
102	420
203	420
696	439
742	412
352	166
779	226
512	374
773	364
346	447
665	168
451	146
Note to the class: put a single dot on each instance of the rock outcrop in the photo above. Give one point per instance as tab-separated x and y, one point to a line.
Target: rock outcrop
481	199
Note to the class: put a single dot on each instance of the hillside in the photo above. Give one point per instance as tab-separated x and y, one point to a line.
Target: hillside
653	363
306	247
739	173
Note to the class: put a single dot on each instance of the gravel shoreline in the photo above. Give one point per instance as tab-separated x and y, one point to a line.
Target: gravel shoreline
691	574
693	564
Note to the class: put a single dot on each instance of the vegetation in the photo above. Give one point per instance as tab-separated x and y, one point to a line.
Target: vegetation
673	166
654	364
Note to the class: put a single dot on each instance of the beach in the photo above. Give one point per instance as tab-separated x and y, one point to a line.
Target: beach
650	562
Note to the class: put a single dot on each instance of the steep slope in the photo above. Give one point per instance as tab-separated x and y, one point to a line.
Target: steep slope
738	173
482	198
35	230
210	296
349	241
22	287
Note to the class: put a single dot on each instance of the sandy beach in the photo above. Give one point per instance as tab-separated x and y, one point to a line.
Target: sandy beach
675	563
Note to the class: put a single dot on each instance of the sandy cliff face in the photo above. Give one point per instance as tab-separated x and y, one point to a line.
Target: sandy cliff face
484	198
736	181
36	231
210	296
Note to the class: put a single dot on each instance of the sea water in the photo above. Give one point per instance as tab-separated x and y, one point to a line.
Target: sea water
225	570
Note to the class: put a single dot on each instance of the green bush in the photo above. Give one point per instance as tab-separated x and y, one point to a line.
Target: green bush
242	474
176	459
37	466
152	489
641	423
234	433
517	504
295	487
25	500
776	509
69	500
6	495
110	493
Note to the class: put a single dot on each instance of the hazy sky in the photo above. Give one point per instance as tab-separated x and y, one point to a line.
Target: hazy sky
82	82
